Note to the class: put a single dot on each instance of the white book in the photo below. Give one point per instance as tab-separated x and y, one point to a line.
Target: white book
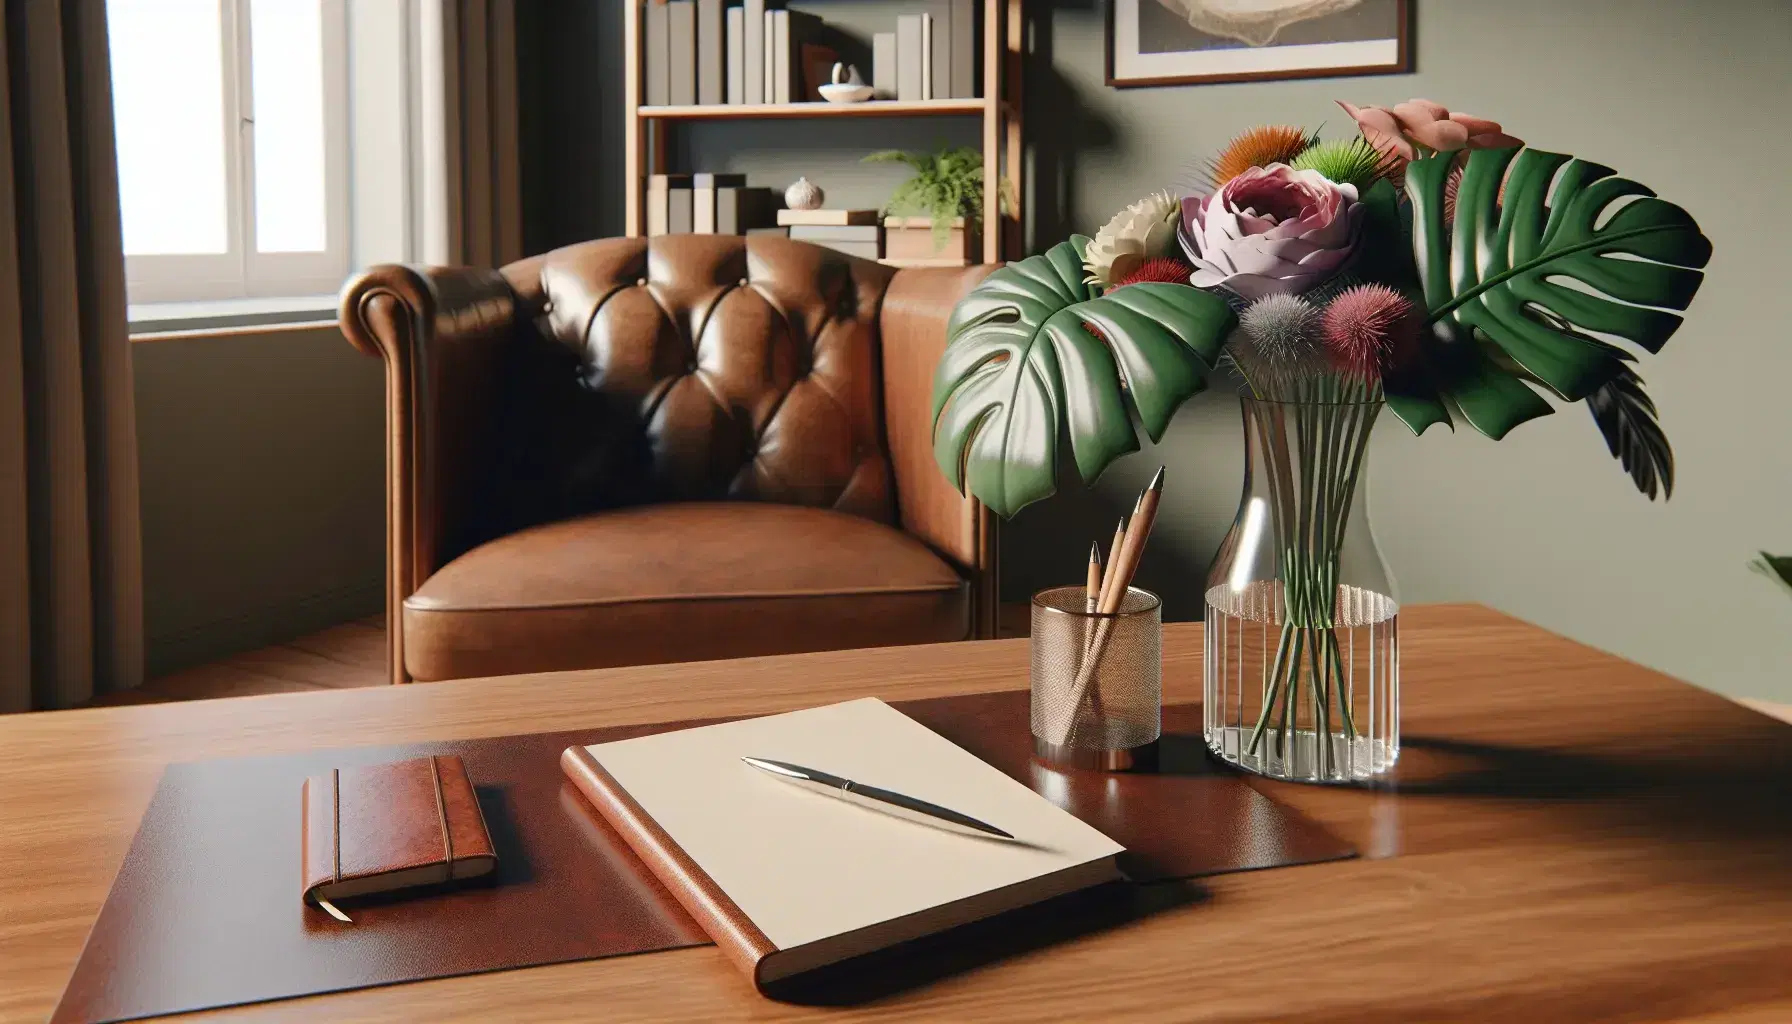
681	16
769	86
787	879
781	57
964	49
940	72
710	85
658	56
883	66
753	51
908	57
737	80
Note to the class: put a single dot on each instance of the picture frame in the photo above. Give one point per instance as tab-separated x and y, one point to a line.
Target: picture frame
1197	42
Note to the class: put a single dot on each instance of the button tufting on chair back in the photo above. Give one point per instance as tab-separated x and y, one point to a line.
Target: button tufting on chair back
744	369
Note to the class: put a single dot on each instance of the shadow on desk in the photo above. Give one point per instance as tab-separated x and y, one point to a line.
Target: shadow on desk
924	961
1741	791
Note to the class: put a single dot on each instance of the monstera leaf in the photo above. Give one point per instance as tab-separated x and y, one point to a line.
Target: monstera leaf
1626	417
1521	278
1033	353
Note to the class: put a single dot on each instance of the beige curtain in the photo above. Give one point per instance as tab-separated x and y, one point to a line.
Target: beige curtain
71	617
471	182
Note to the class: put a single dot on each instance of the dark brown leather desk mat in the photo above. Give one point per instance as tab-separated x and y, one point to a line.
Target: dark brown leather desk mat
205	911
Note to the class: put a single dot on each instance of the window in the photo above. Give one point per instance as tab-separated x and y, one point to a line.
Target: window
232	129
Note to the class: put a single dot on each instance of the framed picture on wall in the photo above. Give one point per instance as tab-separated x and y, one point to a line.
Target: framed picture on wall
1184	42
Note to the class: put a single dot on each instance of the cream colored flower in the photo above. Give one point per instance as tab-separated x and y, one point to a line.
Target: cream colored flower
1145	230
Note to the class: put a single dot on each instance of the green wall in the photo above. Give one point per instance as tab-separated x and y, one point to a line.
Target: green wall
262	467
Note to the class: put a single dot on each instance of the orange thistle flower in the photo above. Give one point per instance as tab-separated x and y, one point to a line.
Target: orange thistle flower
1261	146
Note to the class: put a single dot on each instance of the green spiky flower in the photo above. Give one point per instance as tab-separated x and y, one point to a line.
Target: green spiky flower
1347	162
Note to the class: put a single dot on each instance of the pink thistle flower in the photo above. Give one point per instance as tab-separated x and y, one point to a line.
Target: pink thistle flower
1363	325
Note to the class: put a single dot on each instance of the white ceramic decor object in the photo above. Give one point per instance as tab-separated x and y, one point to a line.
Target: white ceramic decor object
804	194
846	87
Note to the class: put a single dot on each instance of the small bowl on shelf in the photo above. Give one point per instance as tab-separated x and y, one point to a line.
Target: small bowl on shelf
845	92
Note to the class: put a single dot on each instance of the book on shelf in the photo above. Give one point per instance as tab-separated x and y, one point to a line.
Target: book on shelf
735	28
862	240
939	51
909	57
786	881
964	49
703	200
680	211
714	52
883	66
799	58
836	232
753	46
926	55
790	218
681	16
778	56
710	85
667	193
814	71
863	250
768	65
742	210
658	56
768	232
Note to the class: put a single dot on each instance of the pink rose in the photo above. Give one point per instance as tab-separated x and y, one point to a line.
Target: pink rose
1401	130
1271	229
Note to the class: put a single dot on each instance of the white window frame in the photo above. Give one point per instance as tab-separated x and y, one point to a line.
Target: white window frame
242	272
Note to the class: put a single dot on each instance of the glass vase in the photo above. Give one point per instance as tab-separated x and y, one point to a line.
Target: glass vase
1302	666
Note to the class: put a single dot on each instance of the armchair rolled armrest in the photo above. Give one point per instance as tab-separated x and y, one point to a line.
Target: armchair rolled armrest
912	326
441	332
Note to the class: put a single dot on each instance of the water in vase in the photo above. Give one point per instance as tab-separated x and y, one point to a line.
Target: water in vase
1315	703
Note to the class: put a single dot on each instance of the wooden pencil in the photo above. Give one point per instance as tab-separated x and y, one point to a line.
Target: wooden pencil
1122	565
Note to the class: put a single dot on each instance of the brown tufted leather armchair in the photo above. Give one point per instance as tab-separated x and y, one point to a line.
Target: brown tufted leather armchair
632	451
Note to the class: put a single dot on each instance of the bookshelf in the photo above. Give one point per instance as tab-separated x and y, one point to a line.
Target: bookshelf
998	109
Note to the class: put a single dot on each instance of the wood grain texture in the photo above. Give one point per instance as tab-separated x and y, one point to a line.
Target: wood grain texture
1571	837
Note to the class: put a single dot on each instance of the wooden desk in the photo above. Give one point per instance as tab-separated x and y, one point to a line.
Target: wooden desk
1575	837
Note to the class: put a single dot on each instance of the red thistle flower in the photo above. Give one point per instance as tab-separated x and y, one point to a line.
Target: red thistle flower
1163	270
1362	326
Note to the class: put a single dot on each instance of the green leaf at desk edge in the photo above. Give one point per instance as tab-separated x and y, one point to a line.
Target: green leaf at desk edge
1021	369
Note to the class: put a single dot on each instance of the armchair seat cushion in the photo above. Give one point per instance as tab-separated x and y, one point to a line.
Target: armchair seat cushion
680	582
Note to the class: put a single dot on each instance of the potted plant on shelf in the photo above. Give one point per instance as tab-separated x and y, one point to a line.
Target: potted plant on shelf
932	218
1433	267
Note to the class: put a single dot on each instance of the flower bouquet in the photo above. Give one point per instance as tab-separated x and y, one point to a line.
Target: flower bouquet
1432	265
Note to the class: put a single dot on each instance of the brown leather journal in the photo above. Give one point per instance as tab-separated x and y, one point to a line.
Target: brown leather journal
383	827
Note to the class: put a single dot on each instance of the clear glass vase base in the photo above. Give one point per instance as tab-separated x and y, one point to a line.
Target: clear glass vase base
1349	760
1308	701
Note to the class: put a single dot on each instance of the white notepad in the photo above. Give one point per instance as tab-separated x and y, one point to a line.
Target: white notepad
830	878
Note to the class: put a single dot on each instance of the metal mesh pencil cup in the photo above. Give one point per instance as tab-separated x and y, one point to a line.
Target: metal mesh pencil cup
1097	680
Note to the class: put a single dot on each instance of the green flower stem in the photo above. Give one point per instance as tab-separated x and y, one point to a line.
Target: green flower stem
1314	469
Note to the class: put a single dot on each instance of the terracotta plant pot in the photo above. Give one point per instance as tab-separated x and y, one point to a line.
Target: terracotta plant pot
908	242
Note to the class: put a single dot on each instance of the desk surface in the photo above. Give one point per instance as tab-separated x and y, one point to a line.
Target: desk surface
1572	837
